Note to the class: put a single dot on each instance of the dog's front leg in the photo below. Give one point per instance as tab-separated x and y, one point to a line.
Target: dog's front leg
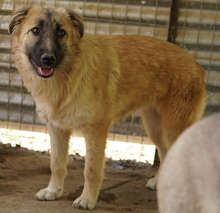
95	147
59	139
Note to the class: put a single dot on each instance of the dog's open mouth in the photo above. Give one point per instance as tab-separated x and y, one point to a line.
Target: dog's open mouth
44	72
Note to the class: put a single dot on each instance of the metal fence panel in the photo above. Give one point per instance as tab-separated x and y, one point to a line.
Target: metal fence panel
196	30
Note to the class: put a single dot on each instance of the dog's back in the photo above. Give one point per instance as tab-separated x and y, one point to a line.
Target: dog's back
189	181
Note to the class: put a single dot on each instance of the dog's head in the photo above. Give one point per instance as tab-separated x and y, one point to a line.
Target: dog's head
45	35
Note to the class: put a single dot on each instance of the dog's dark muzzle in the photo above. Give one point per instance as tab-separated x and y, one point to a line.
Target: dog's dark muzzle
45	69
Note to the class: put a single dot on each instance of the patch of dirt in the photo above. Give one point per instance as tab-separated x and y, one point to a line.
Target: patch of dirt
23	173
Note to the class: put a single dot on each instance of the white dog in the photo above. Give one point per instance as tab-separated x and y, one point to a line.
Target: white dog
189	181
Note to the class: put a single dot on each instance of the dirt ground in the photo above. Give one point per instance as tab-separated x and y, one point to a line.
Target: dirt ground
24	172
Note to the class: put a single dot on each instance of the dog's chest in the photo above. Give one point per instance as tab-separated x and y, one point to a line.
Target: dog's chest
66	116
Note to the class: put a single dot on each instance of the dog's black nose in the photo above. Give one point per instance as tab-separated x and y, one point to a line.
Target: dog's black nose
48	59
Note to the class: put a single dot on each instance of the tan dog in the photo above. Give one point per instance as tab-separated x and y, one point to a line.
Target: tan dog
189	181
86	82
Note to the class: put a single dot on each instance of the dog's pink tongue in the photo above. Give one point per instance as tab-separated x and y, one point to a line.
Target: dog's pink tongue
45	71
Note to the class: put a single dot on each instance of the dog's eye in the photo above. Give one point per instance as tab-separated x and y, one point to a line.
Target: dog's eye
61	33
36	30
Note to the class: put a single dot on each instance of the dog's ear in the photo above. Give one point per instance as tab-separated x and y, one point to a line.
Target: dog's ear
17	17
77	23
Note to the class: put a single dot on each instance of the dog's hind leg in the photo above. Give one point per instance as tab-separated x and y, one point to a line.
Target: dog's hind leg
170	117
95	137
153	126
59	152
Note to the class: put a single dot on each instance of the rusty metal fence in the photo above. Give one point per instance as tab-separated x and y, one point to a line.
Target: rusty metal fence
192	24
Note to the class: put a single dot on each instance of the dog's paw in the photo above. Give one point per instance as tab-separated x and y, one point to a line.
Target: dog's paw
152	184
80	203
47	194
